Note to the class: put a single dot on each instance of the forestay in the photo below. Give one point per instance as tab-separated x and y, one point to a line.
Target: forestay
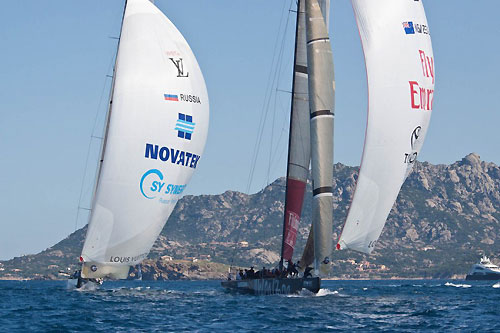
400	69
156	134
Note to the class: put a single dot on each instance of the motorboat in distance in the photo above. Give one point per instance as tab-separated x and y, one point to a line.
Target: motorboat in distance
484	270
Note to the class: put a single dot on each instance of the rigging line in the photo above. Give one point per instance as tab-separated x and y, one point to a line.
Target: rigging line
90	141
284	130
264	110
264	114
271	143
273	95
276	83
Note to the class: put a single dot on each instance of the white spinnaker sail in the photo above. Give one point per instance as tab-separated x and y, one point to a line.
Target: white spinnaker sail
400	70
157	131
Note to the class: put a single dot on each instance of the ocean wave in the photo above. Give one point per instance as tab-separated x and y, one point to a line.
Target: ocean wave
449	284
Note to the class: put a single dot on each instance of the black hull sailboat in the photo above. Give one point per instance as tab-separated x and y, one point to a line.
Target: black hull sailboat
270	286
400	70
310	143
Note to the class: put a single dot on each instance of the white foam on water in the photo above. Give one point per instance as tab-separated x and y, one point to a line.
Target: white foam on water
321	293
449	284
365	288
496	285
325	292
88	287
71	285
142	288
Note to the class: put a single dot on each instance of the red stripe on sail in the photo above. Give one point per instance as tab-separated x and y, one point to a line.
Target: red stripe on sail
294	200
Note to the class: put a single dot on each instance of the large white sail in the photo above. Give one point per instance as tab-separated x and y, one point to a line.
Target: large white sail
400	69
156	135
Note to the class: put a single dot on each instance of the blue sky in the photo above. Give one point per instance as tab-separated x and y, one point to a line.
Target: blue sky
56	54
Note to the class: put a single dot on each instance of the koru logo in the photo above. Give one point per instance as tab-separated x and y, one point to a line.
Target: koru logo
414	136
180	67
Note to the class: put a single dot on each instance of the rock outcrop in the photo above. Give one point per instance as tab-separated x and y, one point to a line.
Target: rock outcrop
444	217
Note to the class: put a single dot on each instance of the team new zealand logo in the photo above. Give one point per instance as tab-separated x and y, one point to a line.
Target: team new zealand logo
184	126
180	67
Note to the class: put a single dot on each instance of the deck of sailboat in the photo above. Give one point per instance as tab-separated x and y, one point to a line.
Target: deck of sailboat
269	286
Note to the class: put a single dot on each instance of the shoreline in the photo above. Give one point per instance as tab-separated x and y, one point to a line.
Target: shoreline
395	278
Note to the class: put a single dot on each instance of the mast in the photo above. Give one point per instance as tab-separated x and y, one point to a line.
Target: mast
298	143
321	92
108	117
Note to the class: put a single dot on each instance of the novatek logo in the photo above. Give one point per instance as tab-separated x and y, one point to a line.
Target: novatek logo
184	126
175	156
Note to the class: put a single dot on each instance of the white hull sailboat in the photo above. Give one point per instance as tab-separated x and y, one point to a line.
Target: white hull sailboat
155	134
400	71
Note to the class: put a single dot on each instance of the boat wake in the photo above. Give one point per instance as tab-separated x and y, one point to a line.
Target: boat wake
71	285
327	292
496	285
449	284
321	293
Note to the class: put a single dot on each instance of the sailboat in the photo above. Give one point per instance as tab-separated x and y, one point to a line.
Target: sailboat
400	71
155	133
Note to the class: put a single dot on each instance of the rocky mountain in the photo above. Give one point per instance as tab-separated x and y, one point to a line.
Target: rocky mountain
443	219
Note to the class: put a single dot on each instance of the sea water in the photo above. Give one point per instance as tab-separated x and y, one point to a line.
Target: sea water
203	306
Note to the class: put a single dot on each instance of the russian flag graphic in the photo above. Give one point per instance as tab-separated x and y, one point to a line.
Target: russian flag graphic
169	97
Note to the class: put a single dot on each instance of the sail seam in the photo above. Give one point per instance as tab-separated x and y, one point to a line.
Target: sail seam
321	113
321	190
301	69
298	165
324	39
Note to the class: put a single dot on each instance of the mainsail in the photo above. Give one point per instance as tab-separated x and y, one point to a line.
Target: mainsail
299	140
156	133
400	70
